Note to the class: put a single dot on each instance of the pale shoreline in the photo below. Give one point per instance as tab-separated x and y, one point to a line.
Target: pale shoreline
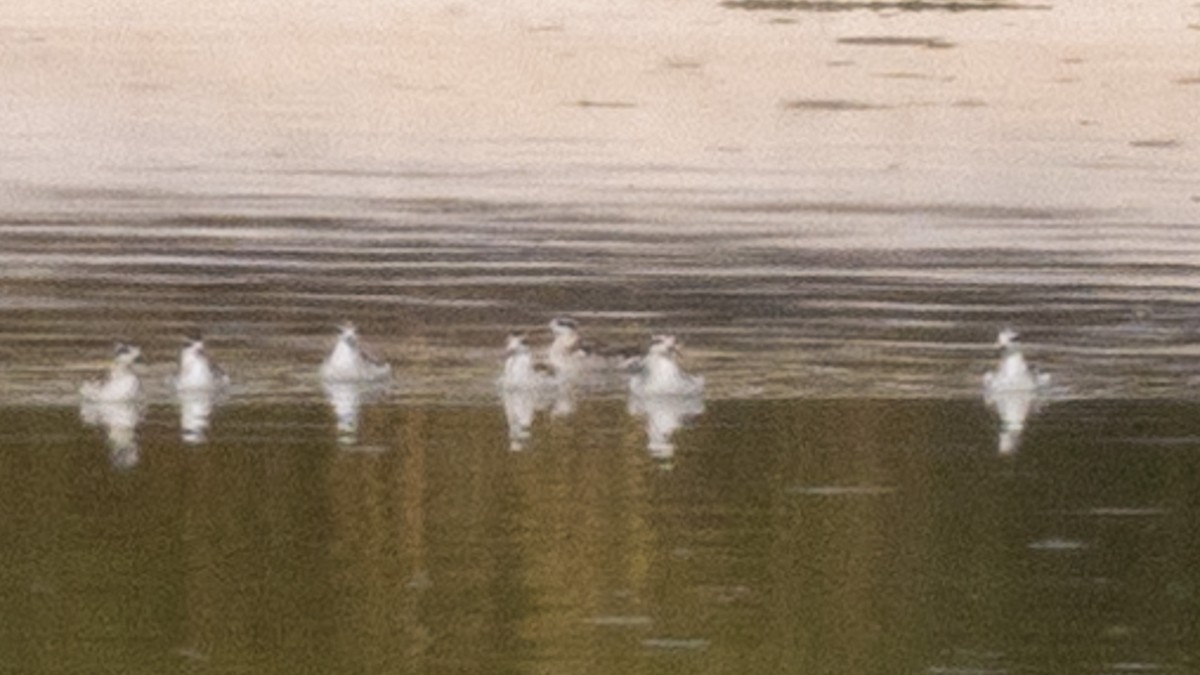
1064	107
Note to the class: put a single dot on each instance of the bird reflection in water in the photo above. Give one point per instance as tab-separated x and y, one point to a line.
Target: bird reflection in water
347	399
520	407
1013	407
120	420
195	409
665	414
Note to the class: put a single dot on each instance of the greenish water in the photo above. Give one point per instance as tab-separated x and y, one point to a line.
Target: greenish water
848	536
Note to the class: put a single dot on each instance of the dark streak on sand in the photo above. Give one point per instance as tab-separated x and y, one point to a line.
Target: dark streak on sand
830	105
896	41
588	103
902	76
875	6
1156	143
962	211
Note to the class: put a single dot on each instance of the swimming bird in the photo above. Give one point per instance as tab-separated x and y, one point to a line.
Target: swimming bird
520	370
566	355
351	361
1012	373
570	357
197	371
121	383
526	388
660	374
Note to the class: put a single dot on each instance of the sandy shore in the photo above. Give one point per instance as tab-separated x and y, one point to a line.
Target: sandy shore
1065	105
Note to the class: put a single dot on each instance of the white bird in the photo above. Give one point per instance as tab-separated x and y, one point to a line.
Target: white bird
351	361
197	371
121	384
1012	373
566	354
571	358
660	374
520	370
526	388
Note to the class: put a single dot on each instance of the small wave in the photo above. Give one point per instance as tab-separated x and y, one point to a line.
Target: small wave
1057	544
842	490
676	644
620	621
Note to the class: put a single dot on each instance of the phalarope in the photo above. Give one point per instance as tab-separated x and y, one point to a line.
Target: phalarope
526	387
197	371
660	374
1012	372
570	356
520	370
566	354
351	361
121	383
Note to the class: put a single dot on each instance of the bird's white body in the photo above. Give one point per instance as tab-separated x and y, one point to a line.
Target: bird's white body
574	362
564	356
197	372
520	371
350	362
121	384
660	374
1012	373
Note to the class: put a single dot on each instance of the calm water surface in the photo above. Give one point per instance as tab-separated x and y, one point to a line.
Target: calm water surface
849	536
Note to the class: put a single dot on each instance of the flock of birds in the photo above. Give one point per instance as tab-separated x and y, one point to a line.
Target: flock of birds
660	390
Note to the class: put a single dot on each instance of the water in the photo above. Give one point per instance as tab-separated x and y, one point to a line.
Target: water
782	536
834	205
